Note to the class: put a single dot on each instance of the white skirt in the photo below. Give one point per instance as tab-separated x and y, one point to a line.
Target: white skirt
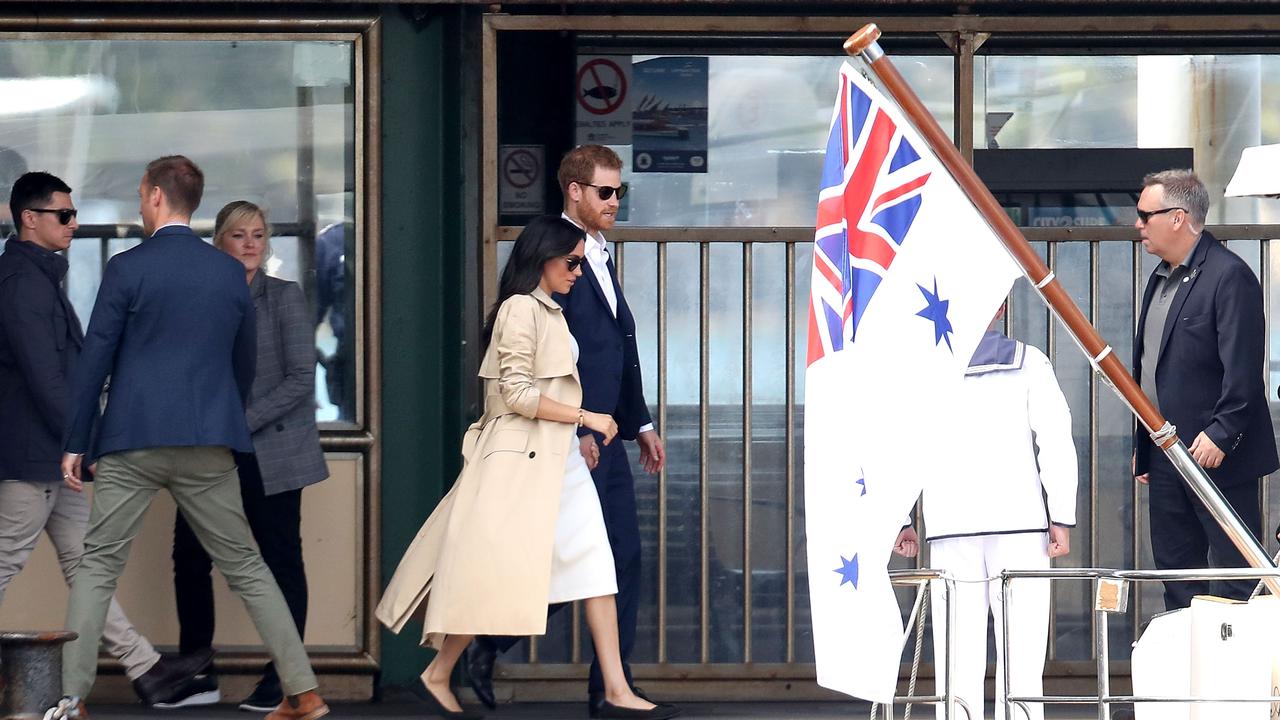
582	561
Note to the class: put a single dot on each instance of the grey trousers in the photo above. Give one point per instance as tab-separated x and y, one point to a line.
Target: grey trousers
204	483
29	508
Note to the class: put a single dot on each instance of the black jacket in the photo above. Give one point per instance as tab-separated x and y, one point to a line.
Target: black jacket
40	340
1210	376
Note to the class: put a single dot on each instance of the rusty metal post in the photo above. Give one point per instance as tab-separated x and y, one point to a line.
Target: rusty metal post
30	672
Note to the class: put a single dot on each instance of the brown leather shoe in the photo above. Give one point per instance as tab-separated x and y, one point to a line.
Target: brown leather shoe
303	706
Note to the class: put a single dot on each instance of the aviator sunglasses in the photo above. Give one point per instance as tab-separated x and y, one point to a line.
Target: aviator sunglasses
64	214
606	191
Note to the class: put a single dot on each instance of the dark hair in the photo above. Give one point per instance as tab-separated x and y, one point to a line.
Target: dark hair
33	190
546	237
179	179
579	165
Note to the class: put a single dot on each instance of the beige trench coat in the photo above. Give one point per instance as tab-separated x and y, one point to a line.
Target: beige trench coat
481	564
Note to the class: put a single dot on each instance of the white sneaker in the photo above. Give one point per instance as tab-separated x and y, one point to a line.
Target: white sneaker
68	708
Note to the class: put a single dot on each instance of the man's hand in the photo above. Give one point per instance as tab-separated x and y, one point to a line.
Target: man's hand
1206	453
1060	539
1144	478
908	542
652	455
590	450
71	471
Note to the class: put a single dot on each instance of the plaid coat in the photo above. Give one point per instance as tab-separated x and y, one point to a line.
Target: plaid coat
281	411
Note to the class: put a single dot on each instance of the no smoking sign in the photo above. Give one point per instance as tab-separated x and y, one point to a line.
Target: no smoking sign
521	179
602	89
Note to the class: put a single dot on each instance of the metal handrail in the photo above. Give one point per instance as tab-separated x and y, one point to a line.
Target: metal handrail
921	578
1104	699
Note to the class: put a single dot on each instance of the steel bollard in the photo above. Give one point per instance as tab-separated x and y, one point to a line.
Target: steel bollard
30	672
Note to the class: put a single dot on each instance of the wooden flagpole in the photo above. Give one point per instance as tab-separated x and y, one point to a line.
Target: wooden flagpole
864	43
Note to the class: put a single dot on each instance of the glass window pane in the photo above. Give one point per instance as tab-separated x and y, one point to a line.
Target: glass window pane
1216	105
767	121
94	112
1071	629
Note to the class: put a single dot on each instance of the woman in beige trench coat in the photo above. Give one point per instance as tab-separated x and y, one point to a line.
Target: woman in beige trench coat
484	562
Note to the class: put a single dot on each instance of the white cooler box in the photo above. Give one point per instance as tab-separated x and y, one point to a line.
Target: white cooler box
1216	648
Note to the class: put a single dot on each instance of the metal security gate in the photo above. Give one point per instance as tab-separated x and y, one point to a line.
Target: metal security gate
721	315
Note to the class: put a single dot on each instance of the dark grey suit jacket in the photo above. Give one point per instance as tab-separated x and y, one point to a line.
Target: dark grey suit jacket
281	409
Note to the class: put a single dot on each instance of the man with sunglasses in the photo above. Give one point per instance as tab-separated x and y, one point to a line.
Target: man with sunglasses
590	179
1198	355
40	339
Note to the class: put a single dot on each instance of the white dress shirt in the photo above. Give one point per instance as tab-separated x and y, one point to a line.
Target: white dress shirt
597	253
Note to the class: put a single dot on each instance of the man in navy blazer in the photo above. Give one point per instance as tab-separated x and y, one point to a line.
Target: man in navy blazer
173	328
1198	354
590	178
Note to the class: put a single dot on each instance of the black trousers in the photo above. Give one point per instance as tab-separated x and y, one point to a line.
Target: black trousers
1184	534
276	522
617	490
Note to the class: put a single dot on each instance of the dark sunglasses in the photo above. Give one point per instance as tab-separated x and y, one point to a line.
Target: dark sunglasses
574	261
606	191
64	214
1145	215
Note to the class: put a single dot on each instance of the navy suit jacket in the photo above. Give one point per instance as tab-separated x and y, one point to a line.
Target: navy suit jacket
608	362
1210	375
173	327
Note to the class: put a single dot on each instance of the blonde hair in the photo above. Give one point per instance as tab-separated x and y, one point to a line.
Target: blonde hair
235	214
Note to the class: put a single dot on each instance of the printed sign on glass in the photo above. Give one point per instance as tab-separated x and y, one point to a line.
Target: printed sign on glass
602	87
669	115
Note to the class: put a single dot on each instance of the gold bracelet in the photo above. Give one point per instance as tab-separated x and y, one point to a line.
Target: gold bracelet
579	417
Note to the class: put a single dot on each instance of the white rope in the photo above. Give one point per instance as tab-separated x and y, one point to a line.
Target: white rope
915	660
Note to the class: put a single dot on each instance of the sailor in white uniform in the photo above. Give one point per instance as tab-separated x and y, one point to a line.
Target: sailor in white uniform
1008	503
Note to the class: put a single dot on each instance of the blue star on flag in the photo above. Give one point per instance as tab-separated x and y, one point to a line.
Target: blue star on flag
848	571
863	483
936	312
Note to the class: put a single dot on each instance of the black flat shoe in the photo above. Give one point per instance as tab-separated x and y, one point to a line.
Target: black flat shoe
596	699
480	658
657	712
436	708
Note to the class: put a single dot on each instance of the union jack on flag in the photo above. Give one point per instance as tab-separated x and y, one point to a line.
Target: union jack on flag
872	183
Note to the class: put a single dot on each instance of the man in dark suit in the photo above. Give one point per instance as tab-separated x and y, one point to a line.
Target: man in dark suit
1198	355
40	340
173	327
590	178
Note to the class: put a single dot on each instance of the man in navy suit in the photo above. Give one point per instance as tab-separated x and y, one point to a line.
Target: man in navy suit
173	327
1198	355
590	178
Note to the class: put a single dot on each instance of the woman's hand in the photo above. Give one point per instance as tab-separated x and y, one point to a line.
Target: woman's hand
601	423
